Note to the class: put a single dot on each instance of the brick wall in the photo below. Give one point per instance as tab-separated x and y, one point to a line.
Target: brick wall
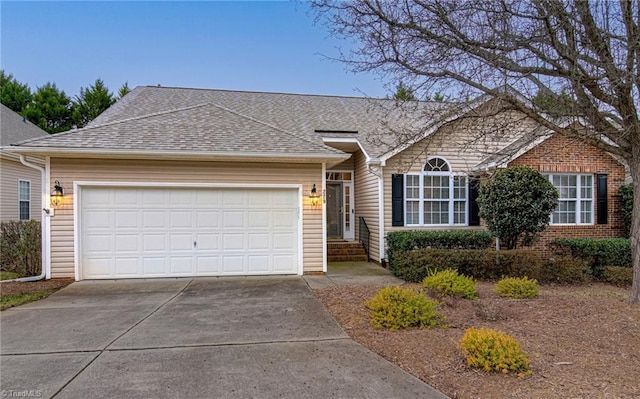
564	155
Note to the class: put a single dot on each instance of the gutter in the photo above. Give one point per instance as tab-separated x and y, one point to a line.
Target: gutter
44	224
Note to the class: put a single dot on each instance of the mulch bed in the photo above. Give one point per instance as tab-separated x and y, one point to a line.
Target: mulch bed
14	287
583	341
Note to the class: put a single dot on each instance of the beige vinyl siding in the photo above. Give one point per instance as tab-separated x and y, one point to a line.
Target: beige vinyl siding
367	202
67	171
11	171
346	165
463	144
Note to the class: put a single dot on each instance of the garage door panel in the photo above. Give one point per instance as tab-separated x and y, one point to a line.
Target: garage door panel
127	267
259	263
99	219
283	263
153	219
181	242
123	197
284	219
284	241
154	266
154	242
207	265
181	265
259	219
233	242
208	242
232	219
129	232
181	219
233	264
259	241
127	243
127	219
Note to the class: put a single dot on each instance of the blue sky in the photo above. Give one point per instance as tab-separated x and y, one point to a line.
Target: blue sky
257	46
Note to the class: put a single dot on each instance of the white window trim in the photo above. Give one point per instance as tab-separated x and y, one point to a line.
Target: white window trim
578	199
20	200
421	200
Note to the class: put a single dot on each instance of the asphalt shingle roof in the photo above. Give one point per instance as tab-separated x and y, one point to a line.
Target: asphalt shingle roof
160	118
14	128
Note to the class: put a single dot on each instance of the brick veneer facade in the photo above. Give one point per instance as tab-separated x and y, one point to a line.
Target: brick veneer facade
563	155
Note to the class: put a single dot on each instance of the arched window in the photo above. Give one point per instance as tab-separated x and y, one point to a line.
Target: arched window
436	196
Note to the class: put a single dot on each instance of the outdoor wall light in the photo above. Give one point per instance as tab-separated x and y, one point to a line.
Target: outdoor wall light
314	197
57	194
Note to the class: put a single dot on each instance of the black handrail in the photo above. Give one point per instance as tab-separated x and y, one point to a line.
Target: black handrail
363	235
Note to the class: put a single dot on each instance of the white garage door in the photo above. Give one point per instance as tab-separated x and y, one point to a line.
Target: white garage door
172	232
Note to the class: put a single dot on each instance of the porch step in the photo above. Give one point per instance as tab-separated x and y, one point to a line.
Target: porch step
346	252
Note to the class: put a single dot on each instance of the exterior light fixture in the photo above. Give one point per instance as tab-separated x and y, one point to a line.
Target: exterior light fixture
314	197
57	194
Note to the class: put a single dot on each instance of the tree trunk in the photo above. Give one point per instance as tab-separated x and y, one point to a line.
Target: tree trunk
634	166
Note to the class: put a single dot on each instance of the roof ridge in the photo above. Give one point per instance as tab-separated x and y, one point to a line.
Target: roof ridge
268	125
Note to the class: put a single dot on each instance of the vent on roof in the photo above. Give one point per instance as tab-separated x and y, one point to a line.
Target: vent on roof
336	131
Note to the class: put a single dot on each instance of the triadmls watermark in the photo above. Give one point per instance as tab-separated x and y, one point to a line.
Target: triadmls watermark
21	393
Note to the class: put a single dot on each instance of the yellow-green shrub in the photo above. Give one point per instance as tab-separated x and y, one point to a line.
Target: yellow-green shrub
397	307
517	287
493	350
449	283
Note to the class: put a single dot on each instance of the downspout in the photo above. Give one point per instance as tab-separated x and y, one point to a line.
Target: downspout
44	223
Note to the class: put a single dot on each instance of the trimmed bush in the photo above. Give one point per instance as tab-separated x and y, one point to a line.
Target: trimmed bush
398	307
415	265
516	203
450	283
517	288
598	252
565	270
493	350
620	276
20	247
407	240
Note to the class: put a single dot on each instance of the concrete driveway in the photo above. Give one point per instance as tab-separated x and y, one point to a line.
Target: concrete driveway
198	338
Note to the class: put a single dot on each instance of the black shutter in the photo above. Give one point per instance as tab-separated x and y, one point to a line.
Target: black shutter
602	202
474	209
397	200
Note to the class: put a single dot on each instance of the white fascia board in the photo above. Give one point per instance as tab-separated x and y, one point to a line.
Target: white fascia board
174	155
327	140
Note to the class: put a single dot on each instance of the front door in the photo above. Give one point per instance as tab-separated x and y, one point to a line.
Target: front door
334	210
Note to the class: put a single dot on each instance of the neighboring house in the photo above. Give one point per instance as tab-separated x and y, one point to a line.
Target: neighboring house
20	186
188	182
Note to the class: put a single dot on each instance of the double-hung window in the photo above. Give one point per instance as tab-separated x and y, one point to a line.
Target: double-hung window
24	199
435	196
575	199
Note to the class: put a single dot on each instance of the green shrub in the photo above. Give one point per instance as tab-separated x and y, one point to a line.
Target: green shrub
625	193
620	276
415	265
407	240
493	350
517	287
516	204
450	283
598	252
20	247
398	307
565	270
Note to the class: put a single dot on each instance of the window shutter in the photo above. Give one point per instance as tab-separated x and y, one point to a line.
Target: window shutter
602	202
397	200
474	209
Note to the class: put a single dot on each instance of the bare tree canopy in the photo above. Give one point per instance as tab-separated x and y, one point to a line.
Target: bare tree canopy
584	55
